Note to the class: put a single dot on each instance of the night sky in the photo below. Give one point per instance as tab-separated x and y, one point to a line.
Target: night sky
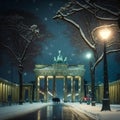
45	10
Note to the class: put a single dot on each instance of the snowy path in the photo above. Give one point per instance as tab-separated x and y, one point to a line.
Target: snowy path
93	111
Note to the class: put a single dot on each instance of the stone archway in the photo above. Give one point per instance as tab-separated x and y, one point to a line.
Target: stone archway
60	69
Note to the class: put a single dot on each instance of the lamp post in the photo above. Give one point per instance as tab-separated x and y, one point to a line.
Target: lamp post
88	56
105	34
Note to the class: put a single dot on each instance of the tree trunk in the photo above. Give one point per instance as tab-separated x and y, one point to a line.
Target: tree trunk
20	72
92	73
93	86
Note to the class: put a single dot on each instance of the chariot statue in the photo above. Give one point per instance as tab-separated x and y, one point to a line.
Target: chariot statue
59	58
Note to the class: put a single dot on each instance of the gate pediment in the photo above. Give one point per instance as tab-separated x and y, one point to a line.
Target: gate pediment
59	69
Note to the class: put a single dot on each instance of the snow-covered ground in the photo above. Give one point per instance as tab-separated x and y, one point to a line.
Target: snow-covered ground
15	110
93	111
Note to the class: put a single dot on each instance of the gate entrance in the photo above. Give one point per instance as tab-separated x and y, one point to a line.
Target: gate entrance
71	76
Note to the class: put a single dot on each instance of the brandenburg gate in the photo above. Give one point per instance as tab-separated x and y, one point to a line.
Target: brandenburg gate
60	69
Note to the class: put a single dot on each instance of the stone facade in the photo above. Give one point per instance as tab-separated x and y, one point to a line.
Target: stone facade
60	69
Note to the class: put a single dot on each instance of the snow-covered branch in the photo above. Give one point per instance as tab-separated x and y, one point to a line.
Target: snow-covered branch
24	51
86	7
61	16
92	46
101	57
95	5
113	43
34	31
27	34
64	13
108	10
95	9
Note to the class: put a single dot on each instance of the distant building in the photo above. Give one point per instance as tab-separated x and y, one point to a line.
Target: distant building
9	92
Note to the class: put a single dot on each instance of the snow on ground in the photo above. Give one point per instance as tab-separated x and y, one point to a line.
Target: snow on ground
96	113
93	111
15	110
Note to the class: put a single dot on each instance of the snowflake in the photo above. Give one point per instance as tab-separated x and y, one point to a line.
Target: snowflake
54	11
51	45
37	9
25	74
45	18
70	59
73	54
9	72
49	53
50	4
46	47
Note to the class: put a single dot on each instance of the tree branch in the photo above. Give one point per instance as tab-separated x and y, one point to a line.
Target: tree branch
108	10
61	16
90	7
113	43
101	57
24	51
9	49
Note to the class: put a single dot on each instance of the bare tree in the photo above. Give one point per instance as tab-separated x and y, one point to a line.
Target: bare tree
20	45
9	35
76	13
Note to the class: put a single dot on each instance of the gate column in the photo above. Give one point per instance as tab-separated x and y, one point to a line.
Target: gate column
46	89
79	87
73	88
38	89
65	89
54	87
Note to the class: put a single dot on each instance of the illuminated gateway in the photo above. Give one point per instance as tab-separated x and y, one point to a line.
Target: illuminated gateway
62	71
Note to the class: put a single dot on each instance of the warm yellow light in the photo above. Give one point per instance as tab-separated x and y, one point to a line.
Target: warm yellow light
105	33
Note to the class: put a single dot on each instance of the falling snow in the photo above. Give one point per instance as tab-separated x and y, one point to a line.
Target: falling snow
46	19
46	47
50	4
37	9
50	54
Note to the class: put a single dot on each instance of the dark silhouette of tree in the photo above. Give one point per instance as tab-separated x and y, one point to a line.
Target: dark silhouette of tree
87	16
7	32
21	33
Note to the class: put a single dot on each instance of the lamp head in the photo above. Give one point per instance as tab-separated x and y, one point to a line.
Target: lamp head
105	33
88	55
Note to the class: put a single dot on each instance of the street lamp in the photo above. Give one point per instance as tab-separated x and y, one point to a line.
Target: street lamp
105	34
89	56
